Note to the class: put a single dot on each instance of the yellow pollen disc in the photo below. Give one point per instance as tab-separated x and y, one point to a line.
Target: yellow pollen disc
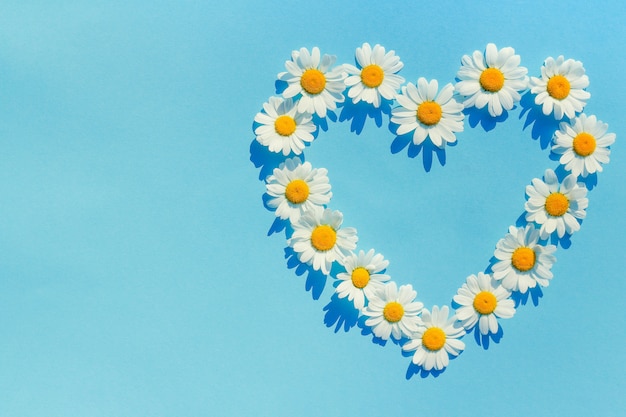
492	80
584	144
323	238
313	81
429	113
372	76
485	302
393	312
360	277
558	87
557	204
284	125
523	259
434	339
297	191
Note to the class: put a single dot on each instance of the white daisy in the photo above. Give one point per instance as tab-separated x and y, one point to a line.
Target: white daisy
522	261
393	311
296	188
561	87
362	278
483	300
374	76
308	75
426	113
437	340
583	145
319	240
282	127
554	205
494	79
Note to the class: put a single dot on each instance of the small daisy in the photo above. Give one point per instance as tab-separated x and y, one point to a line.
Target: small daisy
483	300
522	261
282	128
561	87
296	188
494	79
554	205
437	340
583	145
308	75
393	311
362	277
319	240
374	76
426	113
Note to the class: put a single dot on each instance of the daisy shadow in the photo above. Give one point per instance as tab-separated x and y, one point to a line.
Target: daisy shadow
280	86
543	127
358	113
367	330
477	116
522	298
565	242
264	159
340	312
484	340
322	122
426	148
590	181
315	280
414	369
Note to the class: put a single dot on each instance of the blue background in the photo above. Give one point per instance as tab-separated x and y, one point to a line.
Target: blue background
137	277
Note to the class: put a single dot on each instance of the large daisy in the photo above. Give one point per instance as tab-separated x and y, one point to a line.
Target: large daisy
483	300
561	87
319	240
427	113
393	312
494	79
583	145
296	187
309	76
436	340
282	127
556	206
374	76
363	277
522	261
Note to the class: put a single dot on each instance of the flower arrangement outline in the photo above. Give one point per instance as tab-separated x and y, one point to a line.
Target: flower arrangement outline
491	81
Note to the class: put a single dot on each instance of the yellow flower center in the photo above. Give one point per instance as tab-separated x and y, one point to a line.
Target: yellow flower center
360	277
313	81
323	238
434	339
492	80
485	302
285	125
297	191
372	76
558	87
557	204
584	144
429	113
523	259
393	312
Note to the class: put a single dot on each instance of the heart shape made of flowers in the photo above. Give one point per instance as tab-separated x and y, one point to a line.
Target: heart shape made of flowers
492	82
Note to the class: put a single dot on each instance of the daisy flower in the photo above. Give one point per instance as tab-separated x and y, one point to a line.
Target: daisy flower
494	79
426	113
362	277
583	145
483	300
393	311
522	261
308	75
561	87
282	127
319	240
554	205
296	187
374	76
437	340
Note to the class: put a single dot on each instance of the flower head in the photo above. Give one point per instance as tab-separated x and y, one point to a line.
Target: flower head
494	79
375	75
393	311
362	278
428	113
